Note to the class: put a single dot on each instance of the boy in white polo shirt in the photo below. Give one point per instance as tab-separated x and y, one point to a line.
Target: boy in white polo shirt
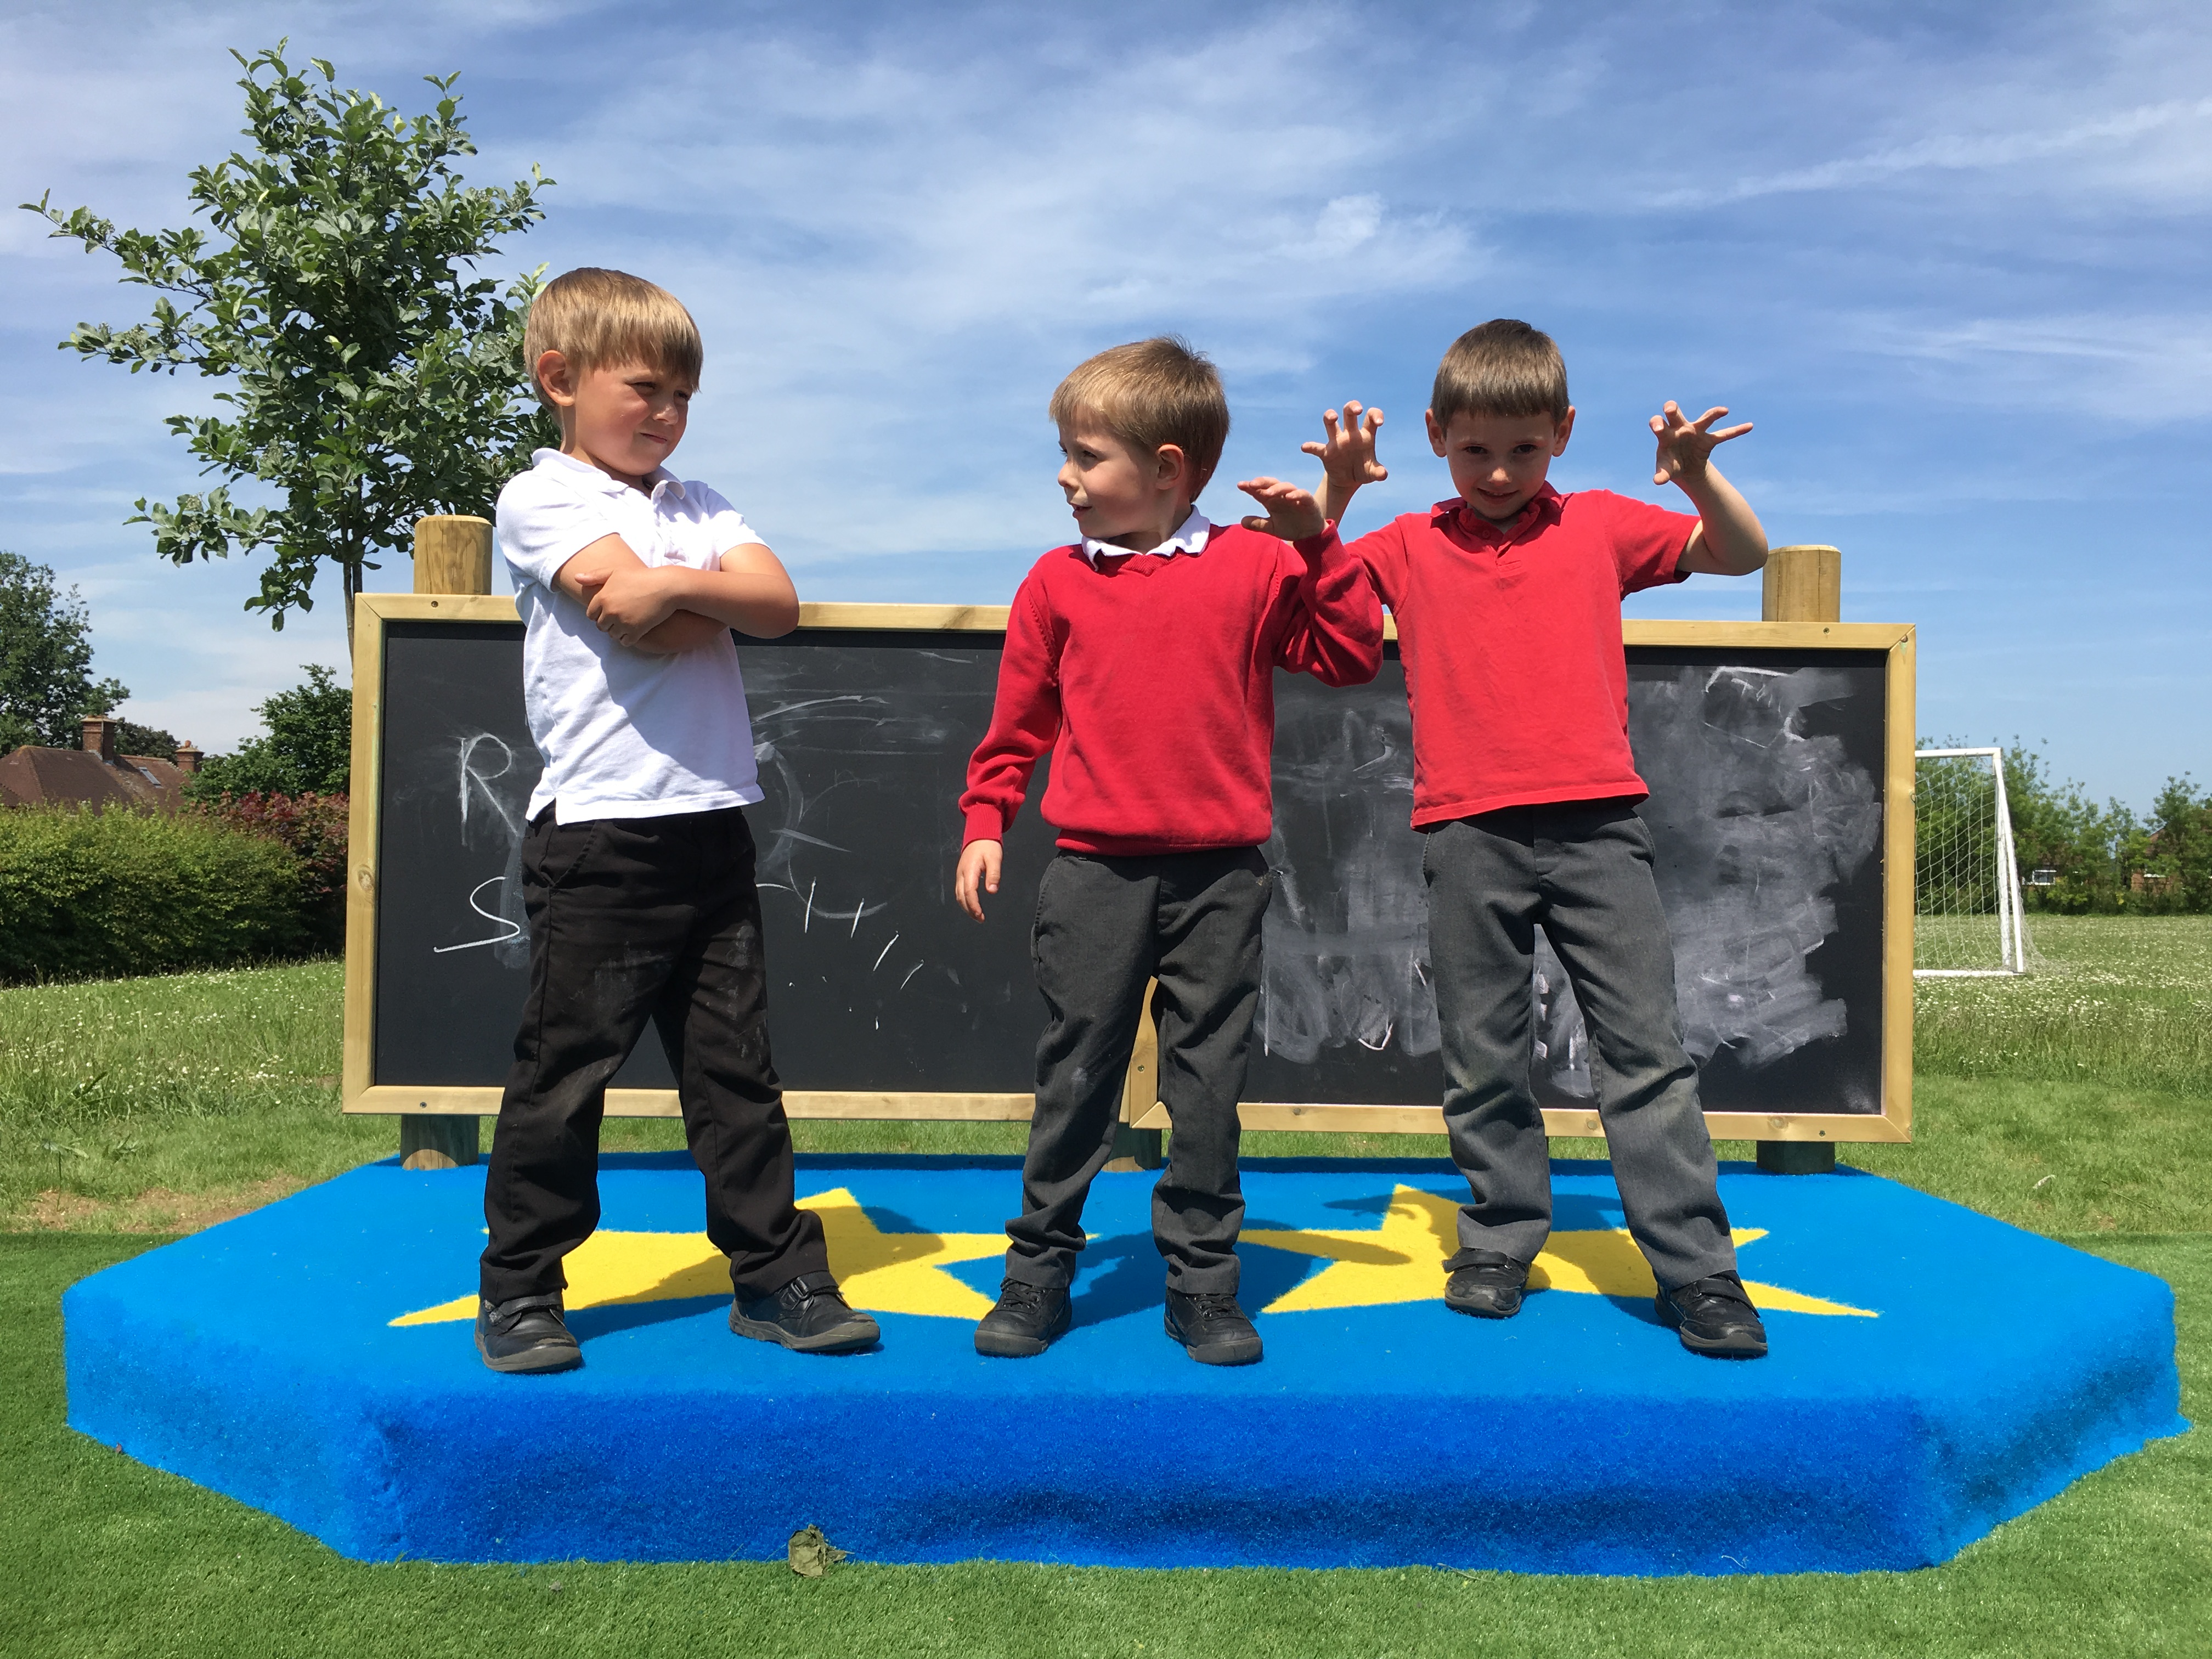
638	866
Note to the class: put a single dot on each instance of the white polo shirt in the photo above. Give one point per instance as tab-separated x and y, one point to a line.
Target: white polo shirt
624	734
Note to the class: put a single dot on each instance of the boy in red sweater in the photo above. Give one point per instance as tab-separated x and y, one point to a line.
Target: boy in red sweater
1143	656
1508	604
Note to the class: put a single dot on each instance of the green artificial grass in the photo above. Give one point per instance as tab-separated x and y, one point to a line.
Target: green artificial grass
106	1557
2073	1103
225	1084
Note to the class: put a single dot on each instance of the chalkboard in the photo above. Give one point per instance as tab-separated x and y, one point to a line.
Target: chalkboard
1768	764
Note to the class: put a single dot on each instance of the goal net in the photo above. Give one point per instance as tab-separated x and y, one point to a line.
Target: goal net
1966	885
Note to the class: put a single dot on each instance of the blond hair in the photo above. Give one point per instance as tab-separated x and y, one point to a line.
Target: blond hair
596	318
1503	367
1151	392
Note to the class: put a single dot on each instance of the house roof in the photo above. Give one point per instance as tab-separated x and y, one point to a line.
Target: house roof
34	776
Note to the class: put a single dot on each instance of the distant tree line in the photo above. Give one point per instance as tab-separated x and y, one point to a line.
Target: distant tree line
2108	860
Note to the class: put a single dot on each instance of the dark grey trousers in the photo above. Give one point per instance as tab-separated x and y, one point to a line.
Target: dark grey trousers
1104	926
1583	871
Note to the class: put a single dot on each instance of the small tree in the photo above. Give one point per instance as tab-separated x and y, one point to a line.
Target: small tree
2176	855
307	749
372	377
46	688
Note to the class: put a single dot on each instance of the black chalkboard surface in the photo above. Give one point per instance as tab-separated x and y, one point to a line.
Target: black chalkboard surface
1767	767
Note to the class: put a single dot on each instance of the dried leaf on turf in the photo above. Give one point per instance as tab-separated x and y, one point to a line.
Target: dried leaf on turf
810	1553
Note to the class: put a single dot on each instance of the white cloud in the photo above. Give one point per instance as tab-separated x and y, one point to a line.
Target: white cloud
2147	369
899	227
1956	152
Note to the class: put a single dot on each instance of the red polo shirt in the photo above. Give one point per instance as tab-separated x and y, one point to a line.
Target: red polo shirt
1510	636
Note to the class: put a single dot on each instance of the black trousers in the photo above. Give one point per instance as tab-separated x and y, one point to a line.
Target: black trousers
1582	870
631	920
1104	926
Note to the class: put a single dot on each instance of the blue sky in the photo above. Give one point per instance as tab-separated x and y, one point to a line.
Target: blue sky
1951	259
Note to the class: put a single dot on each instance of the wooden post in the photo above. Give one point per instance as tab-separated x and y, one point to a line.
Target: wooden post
453	555
1140	1149
1801	584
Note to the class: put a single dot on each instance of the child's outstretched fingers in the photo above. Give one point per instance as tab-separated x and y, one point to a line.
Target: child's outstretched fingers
1292	514
1347	455
1684	444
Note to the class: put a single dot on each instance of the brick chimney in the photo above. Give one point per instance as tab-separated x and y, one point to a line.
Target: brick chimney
188	758
99	738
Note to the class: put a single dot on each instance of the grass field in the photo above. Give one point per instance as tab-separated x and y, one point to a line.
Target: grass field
2078	1103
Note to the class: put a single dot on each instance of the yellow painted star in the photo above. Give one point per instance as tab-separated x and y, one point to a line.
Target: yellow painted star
884	1273
1402	1260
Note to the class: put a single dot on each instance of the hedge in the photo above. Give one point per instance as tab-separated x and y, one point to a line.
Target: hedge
313	828
88	894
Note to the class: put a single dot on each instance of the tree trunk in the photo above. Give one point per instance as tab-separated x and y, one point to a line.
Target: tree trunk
350	584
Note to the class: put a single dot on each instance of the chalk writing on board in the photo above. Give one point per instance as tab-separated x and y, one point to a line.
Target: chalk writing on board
858	734
514	929
493	790
1754	825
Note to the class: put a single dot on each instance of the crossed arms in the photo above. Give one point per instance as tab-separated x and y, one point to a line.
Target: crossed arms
665	609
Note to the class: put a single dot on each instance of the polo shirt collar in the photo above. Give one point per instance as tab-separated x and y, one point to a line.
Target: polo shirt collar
1190	537
662	479
1443	515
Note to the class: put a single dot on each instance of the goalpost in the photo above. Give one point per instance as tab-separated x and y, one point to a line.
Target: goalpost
1967	886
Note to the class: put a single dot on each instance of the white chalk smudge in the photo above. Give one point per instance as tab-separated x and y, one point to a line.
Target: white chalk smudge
1346	943
1757	825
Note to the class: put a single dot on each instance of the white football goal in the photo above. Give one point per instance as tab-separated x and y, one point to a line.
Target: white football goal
1966	883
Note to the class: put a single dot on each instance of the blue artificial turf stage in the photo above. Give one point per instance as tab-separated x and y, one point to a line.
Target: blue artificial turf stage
1934	1372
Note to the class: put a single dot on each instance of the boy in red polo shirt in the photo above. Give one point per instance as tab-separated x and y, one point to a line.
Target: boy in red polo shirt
1144	658
1508	604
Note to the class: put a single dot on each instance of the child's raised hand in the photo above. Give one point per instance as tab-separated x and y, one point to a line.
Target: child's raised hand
1292	513
1347	455
1685	445
979	866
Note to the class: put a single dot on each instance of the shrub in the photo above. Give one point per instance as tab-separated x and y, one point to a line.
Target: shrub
308	748
89	894
313	828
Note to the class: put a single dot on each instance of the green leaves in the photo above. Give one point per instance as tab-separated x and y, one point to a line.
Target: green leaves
46	687
373	376
308	748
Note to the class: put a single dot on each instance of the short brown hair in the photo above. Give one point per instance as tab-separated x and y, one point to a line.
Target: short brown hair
1503	367
595	318
1151	392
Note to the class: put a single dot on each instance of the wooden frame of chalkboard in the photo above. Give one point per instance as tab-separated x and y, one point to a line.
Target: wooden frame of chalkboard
362	1091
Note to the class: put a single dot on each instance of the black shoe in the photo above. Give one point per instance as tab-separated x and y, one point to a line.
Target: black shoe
1714	1316
1487	1283
526	1334
807	1314
1029	1319
1211	1328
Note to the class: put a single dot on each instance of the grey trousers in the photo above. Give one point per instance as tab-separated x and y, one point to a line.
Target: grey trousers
1583	871
1104	926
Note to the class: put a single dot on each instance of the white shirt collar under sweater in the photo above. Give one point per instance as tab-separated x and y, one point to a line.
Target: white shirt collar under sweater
1189	538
